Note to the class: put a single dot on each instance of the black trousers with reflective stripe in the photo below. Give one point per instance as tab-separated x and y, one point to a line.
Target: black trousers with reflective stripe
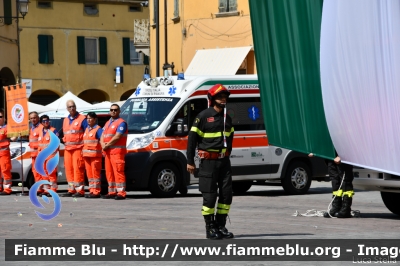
215	178
336	172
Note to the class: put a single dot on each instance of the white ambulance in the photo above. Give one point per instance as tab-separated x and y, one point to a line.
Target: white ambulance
160	114
387	184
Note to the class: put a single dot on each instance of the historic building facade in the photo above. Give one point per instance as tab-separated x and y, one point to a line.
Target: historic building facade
75	46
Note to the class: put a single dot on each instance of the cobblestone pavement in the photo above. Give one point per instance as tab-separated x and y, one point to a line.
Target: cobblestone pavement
265	212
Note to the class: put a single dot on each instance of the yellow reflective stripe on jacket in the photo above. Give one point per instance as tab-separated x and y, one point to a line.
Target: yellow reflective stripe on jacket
206	135
198	131
228	134
219	151
207	211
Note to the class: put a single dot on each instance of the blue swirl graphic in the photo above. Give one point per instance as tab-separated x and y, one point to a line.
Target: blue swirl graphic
52	163
45	153
34	199
40	168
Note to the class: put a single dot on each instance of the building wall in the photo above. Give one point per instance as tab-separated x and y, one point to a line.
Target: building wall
8	41
203	29
66	20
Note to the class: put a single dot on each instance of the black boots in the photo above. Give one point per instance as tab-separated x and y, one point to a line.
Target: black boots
221	221
345	211
335	208
212	231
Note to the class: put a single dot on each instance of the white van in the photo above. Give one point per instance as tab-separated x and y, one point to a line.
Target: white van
160	114
387	184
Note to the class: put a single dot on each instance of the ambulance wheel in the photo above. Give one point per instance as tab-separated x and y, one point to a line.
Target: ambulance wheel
391	201
164	180
241	187
297	179
30	180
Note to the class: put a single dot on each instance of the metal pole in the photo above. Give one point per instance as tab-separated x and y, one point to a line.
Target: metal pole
19	52
19	81
157	7
22	168
165	33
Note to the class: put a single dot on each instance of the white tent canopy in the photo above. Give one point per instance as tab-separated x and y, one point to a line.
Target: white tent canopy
60	104
102	105
36	107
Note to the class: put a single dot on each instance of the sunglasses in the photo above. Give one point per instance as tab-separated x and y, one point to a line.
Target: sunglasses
46	121
72	106
114	110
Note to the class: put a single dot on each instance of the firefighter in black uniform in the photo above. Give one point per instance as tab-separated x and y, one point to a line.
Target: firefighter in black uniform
212	134
342	195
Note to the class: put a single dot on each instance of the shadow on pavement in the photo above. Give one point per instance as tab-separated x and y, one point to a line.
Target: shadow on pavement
389	216
258	235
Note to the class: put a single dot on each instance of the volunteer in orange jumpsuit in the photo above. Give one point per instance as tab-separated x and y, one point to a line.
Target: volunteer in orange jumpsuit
5	158
92	154
44	141
74	127
34	133
113	142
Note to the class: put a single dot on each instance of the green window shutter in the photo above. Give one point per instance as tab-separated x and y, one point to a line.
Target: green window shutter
103	50
43	49
222	6
126	46
145	60
50	49
7	12
81	50
232	5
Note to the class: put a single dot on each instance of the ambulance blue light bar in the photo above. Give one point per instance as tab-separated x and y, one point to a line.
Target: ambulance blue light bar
181	76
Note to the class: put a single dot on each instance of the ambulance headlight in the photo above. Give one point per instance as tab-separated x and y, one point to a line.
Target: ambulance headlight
15	152
141	142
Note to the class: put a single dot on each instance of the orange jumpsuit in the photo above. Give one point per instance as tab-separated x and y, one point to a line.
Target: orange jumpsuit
5	162
115	158
92	156
44	140
73	160
34	133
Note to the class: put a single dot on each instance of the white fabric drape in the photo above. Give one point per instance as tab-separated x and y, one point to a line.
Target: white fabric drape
360	78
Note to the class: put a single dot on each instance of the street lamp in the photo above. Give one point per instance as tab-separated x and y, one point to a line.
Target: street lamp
23	7
23	10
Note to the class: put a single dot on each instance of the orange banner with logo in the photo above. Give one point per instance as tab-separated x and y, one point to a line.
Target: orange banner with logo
17	110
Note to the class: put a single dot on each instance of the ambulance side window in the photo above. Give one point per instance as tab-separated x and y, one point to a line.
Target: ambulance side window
188	113
195	107
246	114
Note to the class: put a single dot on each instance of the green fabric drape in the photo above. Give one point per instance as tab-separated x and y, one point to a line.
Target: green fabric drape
286	36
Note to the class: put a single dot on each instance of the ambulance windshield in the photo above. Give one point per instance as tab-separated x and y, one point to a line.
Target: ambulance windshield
146	114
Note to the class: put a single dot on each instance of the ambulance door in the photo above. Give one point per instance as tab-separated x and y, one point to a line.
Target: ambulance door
188	113
250	158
